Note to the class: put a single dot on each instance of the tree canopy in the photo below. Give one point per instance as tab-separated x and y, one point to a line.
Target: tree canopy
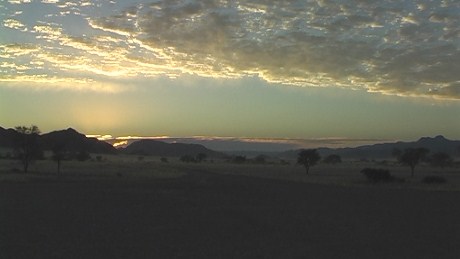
411	157
308	158
26	144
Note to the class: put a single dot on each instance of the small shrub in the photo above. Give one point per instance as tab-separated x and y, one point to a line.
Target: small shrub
187	159
140	158
99	158
239	160
434	179
260	159
200	157
377	175
284	162
164	160
332	159
16	170
83	156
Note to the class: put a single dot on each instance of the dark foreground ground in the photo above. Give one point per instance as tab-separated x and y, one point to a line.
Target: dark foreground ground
215	216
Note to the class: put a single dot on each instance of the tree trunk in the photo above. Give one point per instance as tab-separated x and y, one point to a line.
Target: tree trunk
26	167
307	169
59	168
412	168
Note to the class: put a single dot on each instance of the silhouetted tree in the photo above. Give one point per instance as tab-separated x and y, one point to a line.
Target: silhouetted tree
440	159
27	146
411	157
308	158
332	159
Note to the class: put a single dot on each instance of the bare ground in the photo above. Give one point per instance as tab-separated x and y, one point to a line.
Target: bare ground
203	215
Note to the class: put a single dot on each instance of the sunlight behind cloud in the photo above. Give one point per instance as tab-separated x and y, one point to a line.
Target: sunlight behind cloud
406	48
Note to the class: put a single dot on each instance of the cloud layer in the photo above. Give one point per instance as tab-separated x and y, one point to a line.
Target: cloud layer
408	48
246	144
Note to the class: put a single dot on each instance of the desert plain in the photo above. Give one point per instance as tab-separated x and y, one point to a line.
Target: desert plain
140	207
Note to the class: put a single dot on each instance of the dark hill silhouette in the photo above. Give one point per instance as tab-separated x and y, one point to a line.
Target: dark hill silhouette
7	137
159	148
70	139
384	151
75	141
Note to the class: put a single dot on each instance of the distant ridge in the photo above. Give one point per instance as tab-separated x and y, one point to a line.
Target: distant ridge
384	150
159	148
70	139
7	137
75	141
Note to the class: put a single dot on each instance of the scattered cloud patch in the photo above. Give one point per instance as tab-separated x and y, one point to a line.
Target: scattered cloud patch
407	48
14	24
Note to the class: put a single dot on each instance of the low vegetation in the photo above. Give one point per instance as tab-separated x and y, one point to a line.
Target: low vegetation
332	159
434	179
374	175
440	159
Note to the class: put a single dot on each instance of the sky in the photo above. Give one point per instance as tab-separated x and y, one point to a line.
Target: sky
323	72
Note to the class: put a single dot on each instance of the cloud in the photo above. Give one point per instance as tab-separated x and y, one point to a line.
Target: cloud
246	144
408	48
14	24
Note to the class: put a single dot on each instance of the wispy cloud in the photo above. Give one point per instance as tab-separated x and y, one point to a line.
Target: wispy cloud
407	48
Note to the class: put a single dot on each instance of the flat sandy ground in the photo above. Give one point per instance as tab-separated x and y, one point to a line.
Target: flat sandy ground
190	211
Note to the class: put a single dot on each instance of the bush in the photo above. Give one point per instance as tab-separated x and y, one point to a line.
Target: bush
8	155
440	159
239	160
260	159
200	157
434	179
377	175
164	160
83	156
187	159
284	162
332	159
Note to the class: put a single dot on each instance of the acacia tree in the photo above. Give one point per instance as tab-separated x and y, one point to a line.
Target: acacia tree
27	146
411	157
308	158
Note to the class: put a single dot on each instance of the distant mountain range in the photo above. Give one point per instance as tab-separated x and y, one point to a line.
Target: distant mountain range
384	150
75	141
159	148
